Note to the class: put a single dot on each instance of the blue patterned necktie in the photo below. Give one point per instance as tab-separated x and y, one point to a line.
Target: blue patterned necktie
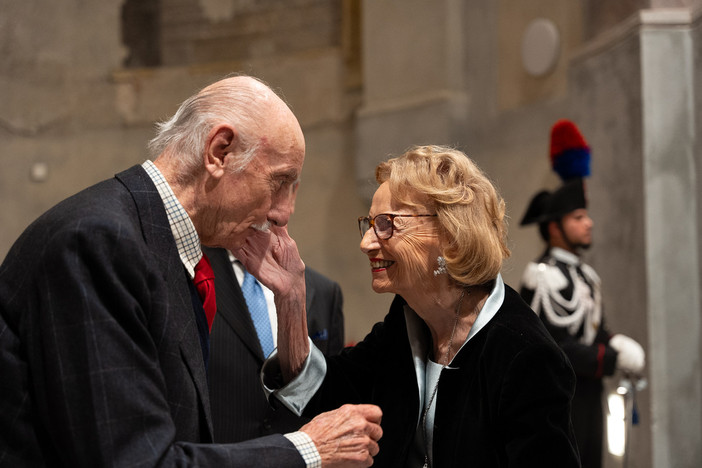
258	309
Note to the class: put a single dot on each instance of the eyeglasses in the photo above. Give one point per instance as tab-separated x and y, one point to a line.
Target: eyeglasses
383	223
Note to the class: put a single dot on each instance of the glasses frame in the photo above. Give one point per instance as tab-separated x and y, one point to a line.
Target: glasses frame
392	216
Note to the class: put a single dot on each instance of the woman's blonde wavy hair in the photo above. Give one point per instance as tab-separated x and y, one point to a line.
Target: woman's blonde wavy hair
470	211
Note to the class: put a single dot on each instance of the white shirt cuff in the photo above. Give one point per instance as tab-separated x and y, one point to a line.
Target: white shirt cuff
298	392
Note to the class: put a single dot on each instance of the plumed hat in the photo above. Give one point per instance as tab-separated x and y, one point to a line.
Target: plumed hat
570	159
570	154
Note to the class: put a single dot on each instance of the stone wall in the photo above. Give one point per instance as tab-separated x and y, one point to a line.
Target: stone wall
204	31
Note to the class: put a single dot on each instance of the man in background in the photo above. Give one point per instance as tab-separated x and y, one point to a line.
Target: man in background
565	292
244	333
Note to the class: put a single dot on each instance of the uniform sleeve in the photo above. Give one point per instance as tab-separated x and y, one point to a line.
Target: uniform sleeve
595	360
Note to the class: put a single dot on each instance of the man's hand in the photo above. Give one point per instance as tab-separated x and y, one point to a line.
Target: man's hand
272	257
346	437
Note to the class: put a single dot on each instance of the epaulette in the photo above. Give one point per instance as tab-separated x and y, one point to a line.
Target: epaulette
544	274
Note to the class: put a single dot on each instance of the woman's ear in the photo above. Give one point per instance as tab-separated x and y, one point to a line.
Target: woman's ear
221	141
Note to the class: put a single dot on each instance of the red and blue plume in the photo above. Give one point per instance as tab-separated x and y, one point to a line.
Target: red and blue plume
570	154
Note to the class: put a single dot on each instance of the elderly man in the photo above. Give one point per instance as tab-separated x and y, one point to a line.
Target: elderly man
104	334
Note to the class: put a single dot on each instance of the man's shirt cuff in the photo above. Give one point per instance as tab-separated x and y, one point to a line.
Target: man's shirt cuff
303	443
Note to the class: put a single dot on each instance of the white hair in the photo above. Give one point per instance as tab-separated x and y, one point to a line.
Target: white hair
233	101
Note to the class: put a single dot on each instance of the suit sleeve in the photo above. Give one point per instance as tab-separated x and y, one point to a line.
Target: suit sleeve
595	360
100	391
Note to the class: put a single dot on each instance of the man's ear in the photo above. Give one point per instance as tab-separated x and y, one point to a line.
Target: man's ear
221	141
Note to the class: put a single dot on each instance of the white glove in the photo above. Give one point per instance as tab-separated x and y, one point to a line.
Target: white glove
630	355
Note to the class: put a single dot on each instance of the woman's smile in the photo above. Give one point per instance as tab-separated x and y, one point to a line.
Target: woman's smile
379	264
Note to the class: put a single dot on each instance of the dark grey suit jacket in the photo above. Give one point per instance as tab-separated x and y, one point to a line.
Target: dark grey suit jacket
239	407
99	353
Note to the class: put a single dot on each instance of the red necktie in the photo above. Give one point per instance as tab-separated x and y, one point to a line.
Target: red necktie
204	282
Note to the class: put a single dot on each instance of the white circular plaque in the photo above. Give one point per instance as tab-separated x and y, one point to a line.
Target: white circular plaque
540	47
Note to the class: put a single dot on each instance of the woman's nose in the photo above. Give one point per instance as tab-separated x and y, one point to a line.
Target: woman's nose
369	242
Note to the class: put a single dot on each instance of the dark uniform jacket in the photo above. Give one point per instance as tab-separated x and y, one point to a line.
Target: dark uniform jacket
551	285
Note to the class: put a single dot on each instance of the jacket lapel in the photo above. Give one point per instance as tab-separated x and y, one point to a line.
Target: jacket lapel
157	234
231	305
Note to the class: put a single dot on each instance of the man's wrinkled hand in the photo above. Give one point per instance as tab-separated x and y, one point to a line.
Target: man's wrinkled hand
348	436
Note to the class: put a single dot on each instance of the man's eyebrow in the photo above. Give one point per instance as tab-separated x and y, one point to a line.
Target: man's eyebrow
291	175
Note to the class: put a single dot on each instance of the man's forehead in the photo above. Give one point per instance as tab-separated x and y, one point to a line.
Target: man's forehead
284	164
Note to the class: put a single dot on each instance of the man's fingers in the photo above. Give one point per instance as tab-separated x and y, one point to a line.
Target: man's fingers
375	432
373	448
373	416
251	254
370	412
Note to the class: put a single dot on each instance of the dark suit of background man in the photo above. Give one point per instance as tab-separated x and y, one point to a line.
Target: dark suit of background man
102	345
240	410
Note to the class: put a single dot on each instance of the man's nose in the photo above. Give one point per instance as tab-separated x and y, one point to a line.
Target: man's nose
281	209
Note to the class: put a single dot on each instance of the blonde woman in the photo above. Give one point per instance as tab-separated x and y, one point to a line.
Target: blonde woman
463	370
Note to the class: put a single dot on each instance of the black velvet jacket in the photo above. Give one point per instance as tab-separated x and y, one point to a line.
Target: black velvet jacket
504	402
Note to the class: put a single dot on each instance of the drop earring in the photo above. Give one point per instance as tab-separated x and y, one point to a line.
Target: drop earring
442	266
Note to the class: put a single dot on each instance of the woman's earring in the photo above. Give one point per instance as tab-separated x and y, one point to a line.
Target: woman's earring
442	266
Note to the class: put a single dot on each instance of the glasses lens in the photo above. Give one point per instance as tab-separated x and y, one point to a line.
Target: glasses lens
383	226
363	225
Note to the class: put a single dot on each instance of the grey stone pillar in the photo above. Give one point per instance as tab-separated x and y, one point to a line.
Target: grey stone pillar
672	233
634	89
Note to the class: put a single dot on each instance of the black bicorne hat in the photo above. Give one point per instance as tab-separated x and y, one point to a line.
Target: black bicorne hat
551	206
